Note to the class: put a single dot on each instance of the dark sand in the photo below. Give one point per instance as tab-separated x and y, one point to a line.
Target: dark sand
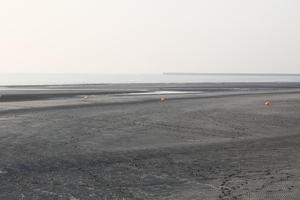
223	143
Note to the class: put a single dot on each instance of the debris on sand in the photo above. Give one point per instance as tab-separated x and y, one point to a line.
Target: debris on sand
268	103
163	99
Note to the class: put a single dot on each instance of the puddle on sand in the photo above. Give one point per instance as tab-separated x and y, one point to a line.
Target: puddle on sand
3	171
6	118
163	92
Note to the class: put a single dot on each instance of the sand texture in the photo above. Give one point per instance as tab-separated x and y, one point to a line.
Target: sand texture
90	142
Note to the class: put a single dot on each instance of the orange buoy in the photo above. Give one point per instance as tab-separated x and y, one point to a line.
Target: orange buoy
163	99
268	103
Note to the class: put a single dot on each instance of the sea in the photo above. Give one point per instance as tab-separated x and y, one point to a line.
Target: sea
63	79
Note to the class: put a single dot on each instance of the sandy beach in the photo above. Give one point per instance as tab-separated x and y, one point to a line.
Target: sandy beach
119	141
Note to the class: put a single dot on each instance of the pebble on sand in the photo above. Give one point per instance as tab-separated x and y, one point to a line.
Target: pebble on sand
73	198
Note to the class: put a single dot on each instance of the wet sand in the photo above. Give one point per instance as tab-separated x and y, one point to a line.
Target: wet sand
102	142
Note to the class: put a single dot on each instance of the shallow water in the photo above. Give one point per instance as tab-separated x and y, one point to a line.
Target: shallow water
60	79
161	92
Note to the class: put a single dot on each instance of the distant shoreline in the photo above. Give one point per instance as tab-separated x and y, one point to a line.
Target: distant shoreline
229	74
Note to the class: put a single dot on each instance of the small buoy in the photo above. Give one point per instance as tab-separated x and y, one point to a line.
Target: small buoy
268	103
163	99
85	97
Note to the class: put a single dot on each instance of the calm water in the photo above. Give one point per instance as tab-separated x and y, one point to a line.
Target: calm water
57	79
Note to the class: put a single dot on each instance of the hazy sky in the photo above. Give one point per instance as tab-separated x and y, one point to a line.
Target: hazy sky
153	36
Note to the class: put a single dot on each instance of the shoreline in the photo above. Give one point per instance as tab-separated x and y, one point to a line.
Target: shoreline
29	93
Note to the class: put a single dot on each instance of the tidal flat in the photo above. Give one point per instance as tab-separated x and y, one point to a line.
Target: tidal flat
120	141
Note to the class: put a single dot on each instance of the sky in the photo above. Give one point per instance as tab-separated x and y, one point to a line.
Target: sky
139	36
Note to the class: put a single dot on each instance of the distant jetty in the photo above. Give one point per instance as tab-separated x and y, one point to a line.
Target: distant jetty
228	74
